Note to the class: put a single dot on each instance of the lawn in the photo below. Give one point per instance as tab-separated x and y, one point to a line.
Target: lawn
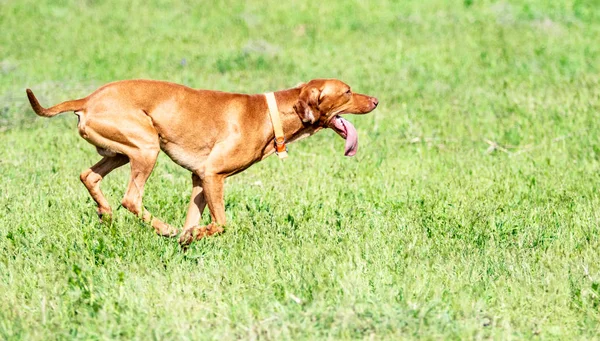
469	212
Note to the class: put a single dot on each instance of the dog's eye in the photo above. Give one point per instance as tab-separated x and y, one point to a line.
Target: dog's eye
348	92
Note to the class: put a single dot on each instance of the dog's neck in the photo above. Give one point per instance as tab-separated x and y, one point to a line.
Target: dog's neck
293	127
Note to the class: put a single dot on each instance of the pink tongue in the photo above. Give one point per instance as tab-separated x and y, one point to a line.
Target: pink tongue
351	135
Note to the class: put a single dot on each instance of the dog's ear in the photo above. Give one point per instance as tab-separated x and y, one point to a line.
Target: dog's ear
307	106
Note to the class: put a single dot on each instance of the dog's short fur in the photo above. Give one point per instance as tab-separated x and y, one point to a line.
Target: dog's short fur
213	134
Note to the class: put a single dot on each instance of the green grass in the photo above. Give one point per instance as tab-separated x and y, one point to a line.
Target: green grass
430	232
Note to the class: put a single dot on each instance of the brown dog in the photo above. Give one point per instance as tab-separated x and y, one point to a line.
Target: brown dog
212	134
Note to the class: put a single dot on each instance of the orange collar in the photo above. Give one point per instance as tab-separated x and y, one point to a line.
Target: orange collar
280	147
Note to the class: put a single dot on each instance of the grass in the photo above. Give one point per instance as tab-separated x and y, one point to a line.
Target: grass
470	211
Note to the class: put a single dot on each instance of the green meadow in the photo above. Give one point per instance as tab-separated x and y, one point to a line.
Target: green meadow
471	210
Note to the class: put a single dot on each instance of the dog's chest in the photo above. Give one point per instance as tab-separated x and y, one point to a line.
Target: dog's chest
190	159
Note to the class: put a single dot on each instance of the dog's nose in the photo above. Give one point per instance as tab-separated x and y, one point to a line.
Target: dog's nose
375	101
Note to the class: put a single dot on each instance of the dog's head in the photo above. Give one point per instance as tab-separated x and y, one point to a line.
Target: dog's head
322	101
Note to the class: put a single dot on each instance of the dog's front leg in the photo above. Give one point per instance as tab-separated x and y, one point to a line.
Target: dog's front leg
197	203
212	188
213	192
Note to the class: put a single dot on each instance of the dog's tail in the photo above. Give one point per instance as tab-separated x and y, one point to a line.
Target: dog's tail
74	105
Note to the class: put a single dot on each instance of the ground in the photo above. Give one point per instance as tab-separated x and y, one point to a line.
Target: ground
470	211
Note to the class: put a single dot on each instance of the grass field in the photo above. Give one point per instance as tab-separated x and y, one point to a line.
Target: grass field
470	211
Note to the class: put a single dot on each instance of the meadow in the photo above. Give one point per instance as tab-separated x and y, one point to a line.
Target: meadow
469	212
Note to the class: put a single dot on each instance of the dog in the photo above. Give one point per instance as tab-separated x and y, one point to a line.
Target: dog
212	134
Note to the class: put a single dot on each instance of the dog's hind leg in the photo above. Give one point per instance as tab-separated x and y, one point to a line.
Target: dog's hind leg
92	177
142	162
130	136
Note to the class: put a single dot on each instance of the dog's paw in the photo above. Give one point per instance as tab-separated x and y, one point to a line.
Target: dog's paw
189	235
198	232
105	216
214	229
163	229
